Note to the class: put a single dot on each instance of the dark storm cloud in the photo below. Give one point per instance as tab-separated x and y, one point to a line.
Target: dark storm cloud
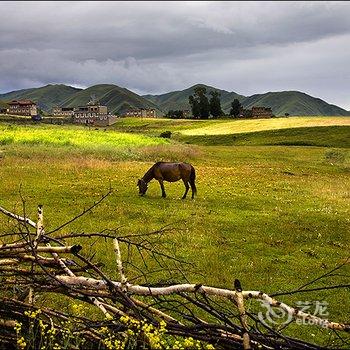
154	47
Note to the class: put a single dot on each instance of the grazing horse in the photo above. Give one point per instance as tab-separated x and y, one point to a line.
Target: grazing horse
171	172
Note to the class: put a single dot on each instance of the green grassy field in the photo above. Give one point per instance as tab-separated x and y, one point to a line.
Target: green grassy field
273	215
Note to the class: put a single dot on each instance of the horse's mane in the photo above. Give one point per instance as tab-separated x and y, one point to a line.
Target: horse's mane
149	173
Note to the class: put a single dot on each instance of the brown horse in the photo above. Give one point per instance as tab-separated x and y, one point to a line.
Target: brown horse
166	171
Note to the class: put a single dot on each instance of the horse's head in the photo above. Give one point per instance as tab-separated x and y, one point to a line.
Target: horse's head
142	185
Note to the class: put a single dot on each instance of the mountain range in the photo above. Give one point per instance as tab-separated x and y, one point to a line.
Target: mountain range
46	96
120	99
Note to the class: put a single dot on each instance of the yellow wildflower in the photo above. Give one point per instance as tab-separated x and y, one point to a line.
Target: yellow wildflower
32	314
188	342
21	343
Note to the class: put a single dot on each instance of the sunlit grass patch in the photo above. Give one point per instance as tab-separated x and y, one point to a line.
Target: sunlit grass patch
74	136
322	136
252	125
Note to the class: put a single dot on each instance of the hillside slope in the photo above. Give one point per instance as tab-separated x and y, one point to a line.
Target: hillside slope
293	103
179	99
281	102
3	104
117	99
46	96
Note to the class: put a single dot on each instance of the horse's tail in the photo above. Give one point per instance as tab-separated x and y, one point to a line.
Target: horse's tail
192	180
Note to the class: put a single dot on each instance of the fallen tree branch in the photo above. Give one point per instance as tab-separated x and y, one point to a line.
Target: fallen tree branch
202	312
85	282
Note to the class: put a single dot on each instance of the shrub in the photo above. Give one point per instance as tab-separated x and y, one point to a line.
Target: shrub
166	134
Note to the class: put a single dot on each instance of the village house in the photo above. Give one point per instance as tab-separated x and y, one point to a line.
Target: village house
256	113
62	111
93	114
141	113
262	112
23	107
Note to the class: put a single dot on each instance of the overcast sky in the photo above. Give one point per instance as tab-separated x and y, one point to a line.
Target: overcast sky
157	47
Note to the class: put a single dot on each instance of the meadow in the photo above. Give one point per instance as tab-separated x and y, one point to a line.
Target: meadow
272	206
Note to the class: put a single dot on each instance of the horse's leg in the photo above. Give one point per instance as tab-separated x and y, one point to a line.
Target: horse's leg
193	188
187	188
162	187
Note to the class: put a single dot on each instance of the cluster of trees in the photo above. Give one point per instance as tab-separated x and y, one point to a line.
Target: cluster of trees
236	108
202	106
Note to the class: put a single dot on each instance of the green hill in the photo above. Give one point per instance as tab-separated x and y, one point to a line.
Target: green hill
3	104
293	103
46	96
179	99
117	99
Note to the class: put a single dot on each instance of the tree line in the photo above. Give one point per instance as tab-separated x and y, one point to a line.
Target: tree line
203	107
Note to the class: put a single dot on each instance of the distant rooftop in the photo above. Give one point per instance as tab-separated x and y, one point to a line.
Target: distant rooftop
22	102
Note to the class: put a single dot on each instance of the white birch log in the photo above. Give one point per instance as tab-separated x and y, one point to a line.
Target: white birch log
9	262
42	249
13	245
39	226
243	318
42	259
18	218
123	279
85	282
